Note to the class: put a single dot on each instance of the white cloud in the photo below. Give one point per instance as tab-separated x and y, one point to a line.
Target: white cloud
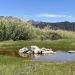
54	16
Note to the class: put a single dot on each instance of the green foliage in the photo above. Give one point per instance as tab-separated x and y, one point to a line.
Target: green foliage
12	28
15	29
51	36
16	66
62	44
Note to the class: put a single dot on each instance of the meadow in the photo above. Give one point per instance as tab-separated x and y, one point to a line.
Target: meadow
16	34
16	66
62	44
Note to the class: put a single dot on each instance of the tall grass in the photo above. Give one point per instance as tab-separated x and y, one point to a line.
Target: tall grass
63	33
16	29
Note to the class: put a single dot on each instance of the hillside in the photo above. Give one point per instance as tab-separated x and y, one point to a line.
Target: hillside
70	26
13	28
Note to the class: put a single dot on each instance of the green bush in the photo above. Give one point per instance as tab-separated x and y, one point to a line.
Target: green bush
15	29
51	36
12	28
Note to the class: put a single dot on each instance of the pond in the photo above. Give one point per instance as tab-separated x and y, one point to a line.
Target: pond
58	56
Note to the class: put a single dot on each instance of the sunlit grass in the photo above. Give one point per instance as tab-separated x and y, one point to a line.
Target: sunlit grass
16	66
62	44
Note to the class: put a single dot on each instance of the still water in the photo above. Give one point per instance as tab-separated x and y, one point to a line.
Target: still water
58	56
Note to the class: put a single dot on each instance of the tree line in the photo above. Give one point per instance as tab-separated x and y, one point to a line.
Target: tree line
70	26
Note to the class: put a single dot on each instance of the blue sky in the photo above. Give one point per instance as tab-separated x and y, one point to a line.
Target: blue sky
39	10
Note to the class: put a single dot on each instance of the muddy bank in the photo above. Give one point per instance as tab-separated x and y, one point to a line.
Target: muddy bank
14	53
9	52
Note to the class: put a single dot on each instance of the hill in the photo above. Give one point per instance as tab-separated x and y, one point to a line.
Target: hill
70	26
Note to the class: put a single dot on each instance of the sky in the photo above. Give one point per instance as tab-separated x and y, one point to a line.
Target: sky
39	10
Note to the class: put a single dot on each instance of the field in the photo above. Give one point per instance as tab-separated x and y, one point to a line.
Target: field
11	65
16	34
62	44
16	66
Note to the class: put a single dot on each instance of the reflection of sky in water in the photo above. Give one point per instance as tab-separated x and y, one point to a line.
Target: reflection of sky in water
59	56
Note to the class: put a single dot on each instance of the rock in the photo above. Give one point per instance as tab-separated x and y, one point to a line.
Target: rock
35	49
29	52
47	52
23	51
43	49
71	51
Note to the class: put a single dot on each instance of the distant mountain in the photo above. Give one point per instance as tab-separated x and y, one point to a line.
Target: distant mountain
70	26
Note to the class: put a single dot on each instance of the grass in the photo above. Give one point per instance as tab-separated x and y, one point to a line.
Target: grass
16	66
63	33
62	44
11	65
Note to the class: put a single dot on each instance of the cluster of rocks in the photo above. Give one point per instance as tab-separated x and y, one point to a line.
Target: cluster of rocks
34	50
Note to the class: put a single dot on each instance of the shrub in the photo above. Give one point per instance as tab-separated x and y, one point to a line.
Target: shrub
51	36
15	29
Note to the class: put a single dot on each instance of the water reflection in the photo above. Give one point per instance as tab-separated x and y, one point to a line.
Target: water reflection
58	56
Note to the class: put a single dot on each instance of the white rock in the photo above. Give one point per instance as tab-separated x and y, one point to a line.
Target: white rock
47	52
71	51
35	49
23	50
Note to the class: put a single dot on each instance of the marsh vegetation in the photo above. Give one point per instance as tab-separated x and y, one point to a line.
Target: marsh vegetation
16	33
26	67
12	28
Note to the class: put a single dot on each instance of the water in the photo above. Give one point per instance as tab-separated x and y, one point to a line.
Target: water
58	56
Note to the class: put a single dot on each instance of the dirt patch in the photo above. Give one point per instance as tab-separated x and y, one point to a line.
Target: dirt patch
9	52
